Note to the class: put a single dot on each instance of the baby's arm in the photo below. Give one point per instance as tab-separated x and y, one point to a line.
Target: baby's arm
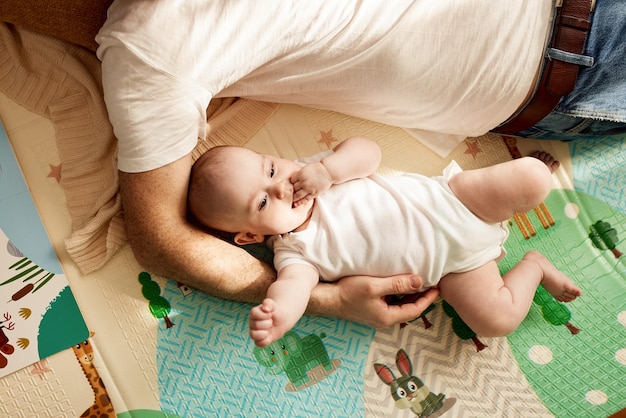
286	301
354	158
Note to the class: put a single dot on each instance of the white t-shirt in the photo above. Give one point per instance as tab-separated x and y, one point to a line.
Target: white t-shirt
443	70
381	226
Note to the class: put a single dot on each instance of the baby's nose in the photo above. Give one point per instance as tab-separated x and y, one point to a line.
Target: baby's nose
283	188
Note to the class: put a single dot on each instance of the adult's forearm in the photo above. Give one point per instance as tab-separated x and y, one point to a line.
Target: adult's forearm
165	243
210	265
325	301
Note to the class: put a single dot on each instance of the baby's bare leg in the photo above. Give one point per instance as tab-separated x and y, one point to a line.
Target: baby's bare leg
493	305
561	287
496	193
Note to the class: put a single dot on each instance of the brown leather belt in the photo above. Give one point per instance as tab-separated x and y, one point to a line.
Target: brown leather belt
571	25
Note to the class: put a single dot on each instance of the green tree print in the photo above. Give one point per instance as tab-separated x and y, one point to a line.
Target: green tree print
604	237
159	306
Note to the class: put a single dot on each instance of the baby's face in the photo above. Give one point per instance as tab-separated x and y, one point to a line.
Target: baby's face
261	190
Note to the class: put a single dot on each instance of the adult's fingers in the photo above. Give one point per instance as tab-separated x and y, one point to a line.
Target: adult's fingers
405	312
401	284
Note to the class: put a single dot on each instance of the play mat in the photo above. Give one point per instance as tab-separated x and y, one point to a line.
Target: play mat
156	348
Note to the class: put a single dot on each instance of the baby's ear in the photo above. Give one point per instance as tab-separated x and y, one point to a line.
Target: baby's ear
243	238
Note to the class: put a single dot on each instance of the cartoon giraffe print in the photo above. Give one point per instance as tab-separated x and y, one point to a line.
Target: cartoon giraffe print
102	407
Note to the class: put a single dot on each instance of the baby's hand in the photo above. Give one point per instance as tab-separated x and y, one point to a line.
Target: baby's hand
264	328
311	181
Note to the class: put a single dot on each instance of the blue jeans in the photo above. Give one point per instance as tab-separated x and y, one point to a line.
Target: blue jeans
597	105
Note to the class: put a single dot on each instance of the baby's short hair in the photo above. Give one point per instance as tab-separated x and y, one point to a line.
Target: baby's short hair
209	174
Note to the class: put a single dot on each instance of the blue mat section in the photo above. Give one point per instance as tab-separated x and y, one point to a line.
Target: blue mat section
20	220
206	365
599	171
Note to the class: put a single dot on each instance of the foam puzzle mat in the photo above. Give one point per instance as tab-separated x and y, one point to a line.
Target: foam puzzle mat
158	348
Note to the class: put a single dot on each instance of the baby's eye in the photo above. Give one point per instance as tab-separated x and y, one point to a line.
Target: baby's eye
263	203
272	170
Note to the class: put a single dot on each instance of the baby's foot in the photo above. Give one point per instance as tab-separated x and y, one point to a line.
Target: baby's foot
547	158
561	287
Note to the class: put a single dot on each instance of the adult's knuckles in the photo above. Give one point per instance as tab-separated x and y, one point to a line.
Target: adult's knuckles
400	285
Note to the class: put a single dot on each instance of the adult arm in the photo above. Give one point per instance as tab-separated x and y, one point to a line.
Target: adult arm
162	239
363	299
165	243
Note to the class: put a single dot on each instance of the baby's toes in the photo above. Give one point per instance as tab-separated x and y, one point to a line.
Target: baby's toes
548	159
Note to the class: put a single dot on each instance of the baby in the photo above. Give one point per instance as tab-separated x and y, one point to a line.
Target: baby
334	217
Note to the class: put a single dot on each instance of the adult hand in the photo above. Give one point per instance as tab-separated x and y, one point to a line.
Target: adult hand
365	299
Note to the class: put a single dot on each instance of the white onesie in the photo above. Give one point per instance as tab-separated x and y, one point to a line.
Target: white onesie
381	226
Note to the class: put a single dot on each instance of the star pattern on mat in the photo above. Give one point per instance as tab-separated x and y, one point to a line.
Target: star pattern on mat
472	148
55	172
40	368
327	138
